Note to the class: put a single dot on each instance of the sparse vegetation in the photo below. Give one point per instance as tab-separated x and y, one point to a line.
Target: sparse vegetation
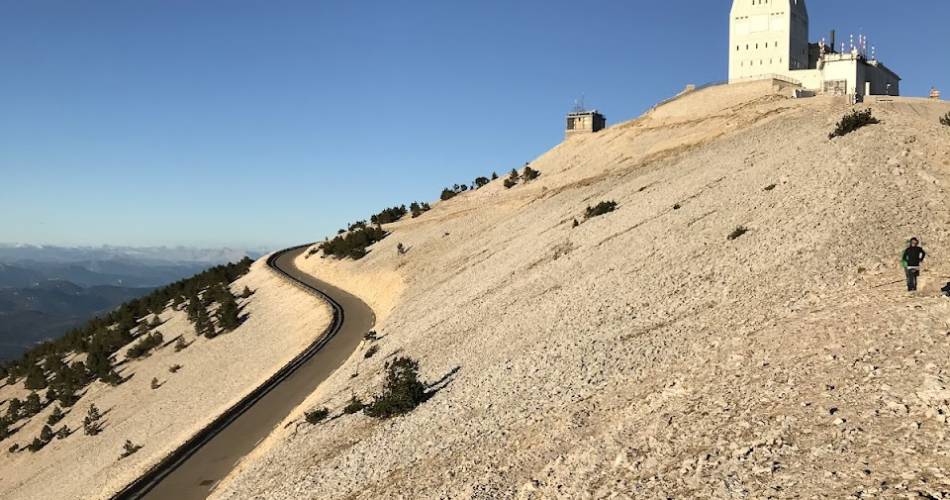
508	183
180	344
769	187
316	416
143	347
354	243
389	215
228	313
100	338
155	383
945	120
480	182
32	406
129	448
677	206
418	209
174	368
370	335
63	432
853	121
737	232
36	445
400	249
246	293
575	223
599	209
354	406
403	390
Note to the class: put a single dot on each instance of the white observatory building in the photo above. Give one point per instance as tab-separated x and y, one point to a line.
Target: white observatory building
770	39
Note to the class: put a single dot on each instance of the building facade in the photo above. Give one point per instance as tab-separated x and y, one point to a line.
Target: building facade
770	39
584	122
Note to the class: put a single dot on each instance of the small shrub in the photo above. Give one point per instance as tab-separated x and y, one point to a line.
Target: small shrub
677	206
575	223
530	174
509	183
599	209
373	349
737	232
945	120
354	406
63	432
370	335
402	393
155	384
156	322
480	182
769	187
447	194
400	249
14	448
144	346
129	448
316	416
174	368
853	121
180	344
246	292
36	445
33	405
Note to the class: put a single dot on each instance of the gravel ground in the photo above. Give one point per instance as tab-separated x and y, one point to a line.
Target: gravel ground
643	354
215	374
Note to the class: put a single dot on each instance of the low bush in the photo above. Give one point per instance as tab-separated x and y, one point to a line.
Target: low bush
56	416
604	207
373	349
129	448
174	368
530	174
316	416
402	393
480	182
769	187
945	120
737	232
853	121
418	209
36	445
144	346
63	432
180	344
354	406
389	215
354	243
509	183
155	383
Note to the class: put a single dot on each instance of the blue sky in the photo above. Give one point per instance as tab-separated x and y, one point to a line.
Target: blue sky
268	123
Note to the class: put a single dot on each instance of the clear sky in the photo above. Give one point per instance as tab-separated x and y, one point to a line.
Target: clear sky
267	123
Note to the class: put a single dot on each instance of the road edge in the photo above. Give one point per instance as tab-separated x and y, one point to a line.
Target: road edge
154	475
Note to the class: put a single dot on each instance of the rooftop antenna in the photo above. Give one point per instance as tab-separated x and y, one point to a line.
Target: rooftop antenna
579	106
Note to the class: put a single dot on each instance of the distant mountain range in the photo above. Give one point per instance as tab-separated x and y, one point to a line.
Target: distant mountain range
46	290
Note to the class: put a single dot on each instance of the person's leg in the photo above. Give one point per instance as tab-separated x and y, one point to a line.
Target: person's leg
911	280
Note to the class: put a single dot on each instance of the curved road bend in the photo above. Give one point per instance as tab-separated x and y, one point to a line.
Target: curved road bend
197	476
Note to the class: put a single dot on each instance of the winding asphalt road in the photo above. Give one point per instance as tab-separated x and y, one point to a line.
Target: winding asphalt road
195	469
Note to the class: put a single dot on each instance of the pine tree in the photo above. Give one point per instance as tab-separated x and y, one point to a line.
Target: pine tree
46	435
14	408
91	425
156	322
4	428
203	324
63	432
228	314
246	293
35	377
55	417
32	405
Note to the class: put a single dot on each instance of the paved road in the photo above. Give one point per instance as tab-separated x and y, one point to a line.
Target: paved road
209	457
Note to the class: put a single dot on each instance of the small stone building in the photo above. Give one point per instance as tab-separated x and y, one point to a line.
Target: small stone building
584	122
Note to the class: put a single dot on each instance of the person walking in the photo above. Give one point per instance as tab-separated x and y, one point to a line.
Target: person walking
913	257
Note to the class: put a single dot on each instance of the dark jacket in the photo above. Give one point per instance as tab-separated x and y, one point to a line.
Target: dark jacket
914	256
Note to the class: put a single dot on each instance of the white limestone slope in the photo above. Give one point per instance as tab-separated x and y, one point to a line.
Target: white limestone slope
214	375
642	354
